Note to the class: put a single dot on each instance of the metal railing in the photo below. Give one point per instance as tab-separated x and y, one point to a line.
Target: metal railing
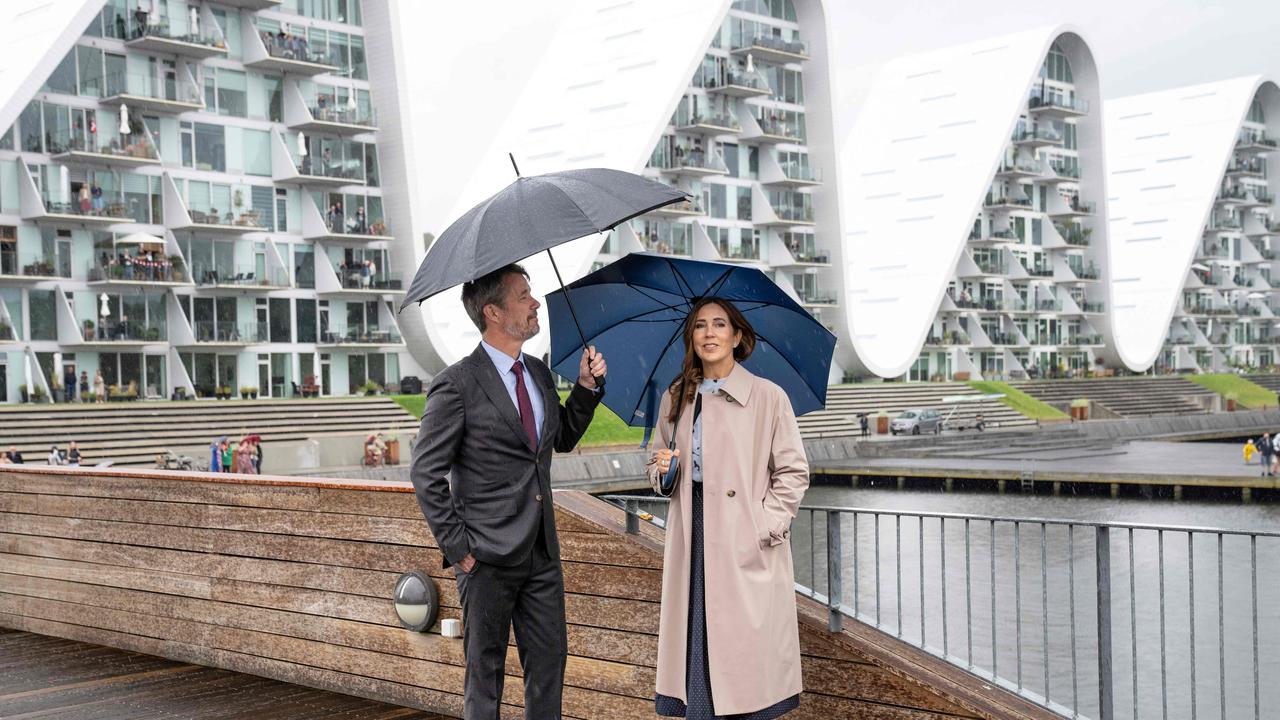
1087	619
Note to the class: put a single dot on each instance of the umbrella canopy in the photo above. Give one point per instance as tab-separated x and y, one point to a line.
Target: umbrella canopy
634	310
531	215
139	238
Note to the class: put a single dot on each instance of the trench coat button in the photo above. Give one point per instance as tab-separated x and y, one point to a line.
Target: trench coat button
538	497
731	493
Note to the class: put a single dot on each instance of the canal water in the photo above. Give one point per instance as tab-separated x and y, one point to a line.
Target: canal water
1034	587
1033	572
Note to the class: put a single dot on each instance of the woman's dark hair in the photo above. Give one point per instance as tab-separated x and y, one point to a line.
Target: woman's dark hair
685	385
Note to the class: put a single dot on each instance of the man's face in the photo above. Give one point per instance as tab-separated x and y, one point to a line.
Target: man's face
518	316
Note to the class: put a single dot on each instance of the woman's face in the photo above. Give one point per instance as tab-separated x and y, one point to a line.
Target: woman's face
713	336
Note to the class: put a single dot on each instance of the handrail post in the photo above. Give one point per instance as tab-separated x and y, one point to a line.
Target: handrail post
633	517
1102	545
835	616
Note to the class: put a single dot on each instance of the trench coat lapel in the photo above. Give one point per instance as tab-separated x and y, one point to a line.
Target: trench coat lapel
491	383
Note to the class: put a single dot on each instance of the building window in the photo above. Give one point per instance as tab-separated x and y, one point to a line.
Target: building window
305	313
44	318
210	147
280	315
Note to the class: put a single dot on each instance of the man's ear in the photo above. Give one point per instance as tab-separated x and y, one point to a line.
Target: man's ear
491	313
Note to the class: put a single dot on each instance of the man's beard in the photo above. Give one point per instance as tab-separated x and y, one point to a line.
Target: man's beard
525	332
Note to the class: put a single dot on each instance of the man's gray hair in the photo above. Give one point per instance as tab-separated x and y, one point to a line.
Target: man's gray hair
487	290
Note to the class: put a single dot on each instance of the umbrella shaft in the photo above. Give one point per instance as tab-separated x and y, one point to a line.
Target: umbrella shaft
569	302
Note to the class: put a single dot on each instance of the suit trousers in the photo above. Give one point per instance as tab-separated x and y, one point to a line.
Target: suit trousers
530	598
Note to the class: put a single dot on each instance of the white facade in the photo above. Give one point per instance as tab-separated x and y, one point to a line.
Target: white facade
1191	225
915	171
594	85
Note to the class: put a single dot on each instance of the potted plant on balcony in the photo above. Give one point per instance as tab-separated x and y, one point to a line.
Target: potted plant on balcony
370	388
249	391
224	392
88	329
22	391
153	333
37	394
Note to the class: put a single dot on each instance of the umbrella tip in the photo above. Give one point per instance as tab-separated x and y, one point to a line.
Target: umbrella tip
513	164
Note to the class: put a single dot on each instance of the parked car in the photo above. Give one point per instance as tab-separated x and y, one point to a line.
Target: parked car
917	421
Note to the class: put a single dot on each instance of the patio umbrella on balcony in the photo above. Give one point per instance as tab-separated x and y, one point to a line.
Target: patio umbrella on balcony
195	21
1200	266
634	311
302	145
533	215
124	119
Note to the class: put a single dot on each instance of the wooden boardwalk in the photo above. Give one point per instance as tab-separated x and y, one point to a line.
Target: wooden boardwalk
57	679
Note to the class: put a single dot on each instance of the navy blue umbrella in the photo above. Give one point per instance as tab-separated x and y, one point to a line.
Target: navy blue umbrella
633	311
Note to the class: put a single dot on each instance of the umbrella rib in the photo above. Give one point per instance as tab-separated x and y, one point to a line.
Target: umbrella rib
785	357
649	379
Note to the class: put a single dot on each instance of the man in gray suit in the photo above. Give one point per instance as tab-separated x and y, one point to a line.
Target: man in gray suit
491	423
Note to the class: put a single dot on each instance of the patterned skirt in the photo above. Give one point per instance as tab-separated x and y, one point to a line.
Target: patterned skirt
698	671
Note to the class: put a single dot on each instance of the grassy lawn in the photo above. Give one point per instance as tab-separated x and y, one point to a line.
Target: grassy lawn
606	428
1247	394
1018	400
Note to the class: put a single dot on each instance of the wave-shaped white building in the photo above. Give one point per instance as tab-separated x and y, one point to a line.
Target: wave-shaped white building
1193	240
974	242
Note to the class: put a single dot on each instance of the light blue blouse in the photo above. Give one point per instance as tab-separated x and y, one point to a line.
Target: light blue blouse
707	387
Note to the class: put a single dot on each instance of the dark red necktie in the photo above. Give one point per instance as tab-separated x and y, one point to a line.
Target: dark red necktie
525	405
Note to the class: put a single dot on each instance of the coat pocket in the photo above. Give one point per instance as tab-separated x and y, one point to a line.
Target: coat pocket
490	508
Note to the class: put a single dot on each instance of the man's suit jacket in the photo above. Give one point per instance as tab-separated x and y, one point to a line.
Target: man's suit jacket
501	488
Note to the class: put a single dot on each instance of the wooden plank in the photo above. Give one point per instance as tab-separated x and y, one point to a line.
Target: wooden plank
437	676
587	673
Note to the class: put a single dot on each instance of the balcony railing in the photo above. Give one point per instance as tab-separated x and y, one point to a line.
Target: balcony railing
1019	167
1039	135
148	86
139	269
800	172
695	159
163	31
1254	139
211	216
336	169
1003	338
769	42
1040	271
1247	167
355	225
950	337
1048	306
716	120
332	112
1050	100
1075	205
354	279
1085	273
780	128
39	268
739	251
1075	235
113	210
1092	307
139	148
367	335
992	266
992	201
1233	193
815	297
216	331
293	47
754	80
241	276
1083	340
125	331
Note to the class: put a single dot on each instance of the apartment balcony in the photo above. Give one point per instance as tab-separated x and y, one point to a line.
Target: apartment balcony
341	228
772	131
1033	139
274	53
1075	235
950	338
312	170
1258	198
367	336
88	152
813	297
351	281
241	278
1255	168
1082	340
12	272
179	215
1021	170
1073	208
1059	174
1006	203
772	49
741	84
117	332
982	304
164	40
1231	196
708	124
789	174
1090	273
140	272
684	208
1254	143
1092	308
1212	250
796	250
1045	305
323	113
62	209
229	333
1057	107
147	93
1005	338
995	237
696	162
783	208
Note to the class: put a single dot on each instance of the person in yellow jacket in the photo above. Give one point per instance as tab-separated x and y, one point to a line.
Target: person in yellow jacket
1249	450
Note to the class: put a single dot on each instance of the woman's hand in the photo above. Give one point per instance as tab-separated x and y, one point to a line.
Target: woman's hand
663	459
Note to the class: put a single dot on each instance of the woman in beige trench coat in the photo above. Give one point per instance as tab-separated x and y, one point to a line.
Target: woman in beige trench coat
735	654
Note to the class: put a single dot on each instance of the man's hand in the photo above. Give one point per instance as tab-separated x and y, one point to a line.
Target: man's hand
467	563
590	367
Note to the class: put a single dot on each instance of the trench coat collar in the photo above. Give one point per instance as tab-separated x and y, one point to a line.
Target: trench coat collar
738	384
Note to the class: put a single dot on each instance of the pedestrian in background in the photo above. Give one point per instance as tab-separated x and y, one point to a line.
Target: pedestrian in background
1268	450
14	456
1249	451
55	456
215	454
73	454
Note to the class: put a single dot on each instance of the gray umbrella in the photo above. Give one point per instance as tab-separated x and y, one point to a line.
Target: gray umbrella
531	215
